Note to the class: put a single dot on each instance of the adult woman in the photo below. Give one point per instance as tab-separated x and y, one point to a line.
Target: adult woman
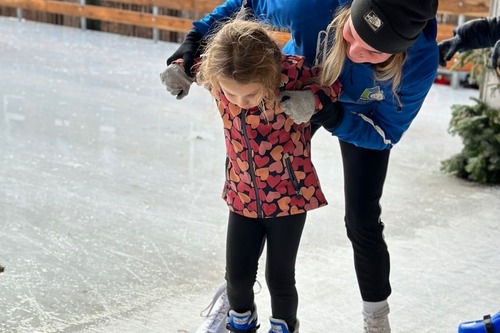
389	64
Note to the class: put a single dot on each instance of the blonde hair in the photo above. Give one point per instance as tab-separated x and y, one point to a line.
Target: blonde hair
389	70
242	51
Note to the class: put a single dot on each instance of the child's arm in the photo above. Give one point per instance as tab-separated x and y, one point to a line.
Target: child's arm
176	80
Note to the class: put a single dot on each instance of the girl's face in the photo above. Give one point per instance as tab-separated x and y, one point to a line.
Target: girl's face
246	96
357	50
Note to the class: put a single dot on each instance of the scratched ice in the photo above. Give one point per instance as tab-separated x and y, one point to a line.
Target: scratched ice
110	210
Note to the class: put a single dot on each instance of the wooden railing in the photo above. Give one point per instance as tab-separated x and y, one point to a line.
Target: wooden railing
473	8
194	9
130	17
455	11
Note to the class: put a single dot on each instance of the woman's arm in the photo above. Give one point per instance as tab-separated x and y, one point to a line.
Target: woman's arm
381	124
304	20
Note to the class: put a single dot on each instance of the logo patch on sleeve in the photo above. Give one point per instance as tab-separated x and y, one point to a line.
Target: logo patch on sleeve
372	94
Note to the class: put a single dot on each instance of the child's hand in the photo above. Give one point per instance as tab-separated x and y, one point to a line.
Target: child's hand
298	105
176	80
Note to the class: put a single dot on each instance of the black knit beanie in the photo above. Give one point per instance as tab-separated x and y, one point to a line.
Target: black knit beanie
391	26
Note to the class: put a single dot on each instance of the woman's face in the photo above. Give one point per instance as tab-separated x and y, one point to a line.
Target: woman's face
246	96
357	50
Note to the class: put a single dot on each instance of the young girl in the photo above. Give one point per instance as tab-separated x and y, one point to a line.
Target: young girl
270	180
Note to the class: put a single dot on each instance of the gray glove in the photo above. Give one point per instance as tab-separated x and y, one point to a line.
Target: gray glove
298	105
176	81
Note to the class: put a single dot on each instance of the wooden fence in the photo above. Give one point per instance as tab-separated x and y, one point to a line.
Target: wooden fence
107	13
131	17
175	16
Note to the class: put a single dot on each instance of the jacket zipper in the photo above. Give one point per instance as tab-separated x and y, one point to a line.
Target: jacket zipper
250	163
226	185
293	178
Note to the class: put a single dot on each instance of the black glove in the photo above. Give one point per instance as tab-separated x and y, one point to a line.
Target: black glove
448	48
493	62
189	50
474	34
330	116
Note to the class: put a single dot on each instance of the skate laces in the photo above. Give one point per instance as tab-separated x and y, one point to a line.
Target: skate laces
215	313
377	324
208	310
221	294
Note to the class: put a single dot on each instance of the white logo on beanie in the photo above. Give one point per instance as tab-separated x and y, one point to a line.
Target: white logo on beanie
374	22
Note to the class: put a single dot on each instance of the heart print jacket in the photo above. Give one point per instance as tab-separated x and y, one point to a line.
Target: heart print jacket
269	171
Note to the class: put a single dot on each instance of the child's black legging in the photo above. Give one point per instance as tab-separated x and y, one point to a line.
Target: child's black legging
245	241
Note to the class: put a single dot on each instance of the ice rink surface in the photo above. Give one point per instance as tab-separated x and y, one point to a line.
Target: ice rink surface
111	218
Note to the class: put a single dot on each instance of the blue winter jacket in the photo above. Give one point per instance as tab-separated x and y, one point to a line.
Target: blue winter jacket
372	116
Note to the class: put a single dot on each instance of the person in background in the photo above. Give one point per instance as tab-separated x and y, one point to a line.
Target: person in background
271	182
384	52
473	34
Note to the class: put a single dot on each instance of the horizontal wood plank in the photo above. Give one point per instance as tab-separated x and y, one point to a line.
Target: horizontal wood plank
281	37
445	31
474	8
129	17
198	6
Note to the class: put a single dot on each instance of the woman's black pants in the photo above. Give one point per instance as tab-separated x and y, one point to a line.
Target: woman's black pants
364	176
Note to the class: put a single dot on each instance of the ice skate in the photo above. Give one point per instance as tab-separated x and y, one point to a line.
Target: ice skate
242	322
379	324
375	317
280	326
216	315
489	324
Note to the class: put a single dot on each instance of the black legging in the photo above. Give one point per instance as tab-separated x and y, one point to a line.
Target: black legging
245	240
364	176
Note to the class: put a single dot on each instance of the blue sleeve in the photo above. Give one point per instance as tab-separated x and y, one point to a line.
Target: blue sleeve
381	124
220	13
304	20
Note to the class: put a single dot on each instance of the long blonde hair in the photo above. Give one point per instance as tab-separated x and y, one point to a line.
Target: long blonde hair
242	51
332	65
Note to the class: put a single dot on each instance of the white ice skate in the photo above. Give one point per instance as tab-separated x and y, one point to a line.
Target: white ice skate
216	313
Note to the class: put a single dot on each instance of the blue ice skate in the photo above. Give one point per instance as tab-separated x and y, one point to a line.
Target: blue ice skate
242	322
489	324
280	326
